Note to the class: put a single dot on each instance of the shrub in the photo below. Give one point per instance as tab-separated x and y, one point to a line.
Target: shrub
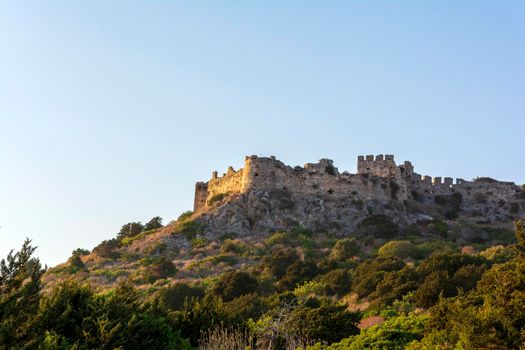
399	249
174	296
162	269
185	215
199	242
76	262
344	249
107	249
130	229
80	252
297	273
498	253
233	246
234	284
154	224
379	226
370	272
217	198
338	282
189	228
279	261
438	227
328	323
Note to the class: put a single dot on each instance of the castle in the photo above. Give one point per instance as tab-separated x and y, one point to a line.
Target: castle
377	178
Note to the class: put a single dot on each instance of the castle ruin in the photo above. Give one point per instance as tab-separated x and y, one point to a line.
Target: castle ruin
377	178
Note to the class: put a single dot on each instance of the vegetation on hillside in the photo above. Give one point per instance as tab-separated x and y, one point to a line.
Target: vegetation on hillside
385	288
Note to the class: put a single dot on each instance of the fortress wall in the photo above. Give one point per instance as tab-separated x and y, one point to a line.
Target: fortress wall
230	183
378	178
201	194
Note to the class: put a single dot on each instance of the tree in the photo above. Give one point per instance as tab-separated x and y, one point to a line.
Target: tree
20	287
278	262
131	229
107	249
328	322
174	296
234	284
344	249
153	224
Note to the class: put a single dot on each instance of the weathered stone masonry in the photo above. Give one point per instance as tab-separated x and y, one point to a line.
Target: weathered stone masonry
377	178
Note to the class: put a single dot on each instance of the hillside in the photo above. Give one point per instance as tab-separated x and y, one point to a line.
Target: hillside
234	229
385	238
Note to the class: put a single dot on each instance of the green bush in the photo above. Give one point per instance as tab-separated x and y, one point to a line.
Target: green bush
378	226
154	224
217	198
76	262
199	242
130	229
399	249
233	246
189	228
344	249
338	282
234	284
329	323
107	249
174	296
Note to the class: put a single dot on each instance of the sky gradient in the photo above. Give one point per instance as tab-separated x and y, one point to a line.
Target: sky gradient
110	111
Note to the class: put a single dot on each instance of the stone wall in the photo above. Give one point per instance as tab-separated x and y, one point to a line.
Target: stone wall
377	178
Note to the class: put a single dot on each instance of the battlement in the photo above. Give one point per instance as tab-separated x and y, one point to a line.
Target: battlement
378	177
383	166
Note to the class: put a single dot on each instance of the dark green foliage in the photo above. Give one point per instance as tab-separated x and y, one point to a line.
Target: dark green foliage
185	215
447	273
234	284
378	226
131	229
189	228
279	261
400	249
449	262
492	316
76	262
369	273
328	322
344	249
80	252
154	224
338	282
174	296
161	269
438	227
520	235
394	285
20	287
216	198
201	315
297	273
107	249
451	203
73	316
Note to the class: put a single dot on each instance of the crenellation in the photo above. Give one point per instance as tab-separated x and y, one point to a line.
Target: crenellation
427	180
373	180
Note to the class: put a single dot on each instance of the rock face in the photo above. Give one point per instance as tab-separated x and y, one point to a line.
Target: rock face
267	195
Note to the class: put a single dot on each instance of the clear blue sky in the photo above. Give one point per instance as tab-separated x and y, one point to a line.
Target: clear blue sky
110	111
